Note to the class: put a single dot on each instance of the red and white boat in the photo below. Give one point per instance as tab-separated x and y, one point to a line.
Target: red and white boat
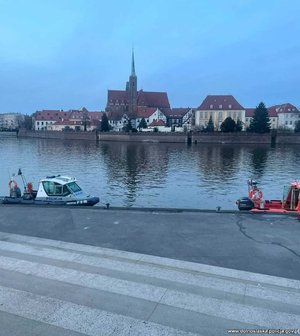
256	202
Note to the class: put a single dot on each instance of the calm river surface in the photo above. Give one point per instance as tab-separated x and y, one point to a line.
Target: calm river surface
152	174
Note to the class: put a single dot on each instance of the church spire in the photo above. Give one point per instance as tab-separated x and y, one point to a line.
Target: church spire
132	88
132	64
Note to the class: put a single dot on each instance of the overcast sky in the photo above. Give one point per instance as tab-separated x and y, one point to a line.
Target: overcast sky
63	54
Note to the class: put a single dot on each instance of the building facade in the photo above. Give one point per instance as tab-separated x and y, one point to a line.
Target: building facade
218	107
11	121
180	118
283	116
58	120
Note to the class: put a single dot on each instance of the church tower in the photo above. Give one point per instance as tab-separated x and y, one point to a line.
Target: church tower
132	88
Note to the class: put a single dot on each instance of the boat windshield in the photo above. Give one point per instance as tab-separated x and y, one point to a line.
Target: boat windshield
55	189
286	190
74	187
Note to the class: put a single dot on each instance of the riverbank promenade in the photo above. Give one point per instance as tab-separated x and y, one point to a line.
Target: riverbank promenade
67	271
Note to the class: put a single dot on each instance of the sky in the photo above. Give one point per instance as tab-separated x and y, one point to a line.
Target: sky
66	54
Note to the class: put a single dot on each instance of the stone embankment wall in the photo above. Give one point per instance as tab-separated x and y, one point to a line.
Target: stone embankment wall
143	137
90	136
231	138
288	138
196	138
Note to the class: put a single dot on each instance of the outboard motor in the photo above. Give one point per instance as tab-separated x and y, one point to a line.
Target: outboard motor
245	203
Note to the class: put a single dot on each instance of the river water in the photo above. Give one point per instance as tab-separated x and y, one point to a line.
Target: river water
153	174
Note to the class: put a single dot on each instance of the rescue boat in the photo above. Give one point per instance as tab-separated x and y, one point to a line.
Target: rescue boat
52	190
256	202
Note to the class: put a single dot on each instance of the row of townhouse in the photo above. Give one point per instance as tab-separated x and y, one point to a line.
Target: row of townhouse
80	120
164	119
132	106
219	107
59	120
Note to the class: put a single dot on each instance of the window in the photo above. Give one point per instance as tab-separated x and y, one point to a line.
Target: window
205	115
55	189
74	187
229	106
220	106
211	106
65	191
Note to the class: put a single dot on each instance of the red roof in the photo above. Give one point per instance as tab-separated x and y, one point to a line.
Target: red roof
220	102
274	110
158	123
116	115
144	98
117	96
58	115
284	108
249	112
145	112
153	99
95	115
54	115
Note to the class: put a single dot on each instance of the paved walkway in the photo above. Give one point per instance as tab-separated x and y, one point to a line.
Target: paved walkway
266	244
49	287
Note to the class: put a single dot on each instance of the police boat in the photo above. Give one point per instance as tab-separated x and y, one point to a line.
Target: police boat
52	190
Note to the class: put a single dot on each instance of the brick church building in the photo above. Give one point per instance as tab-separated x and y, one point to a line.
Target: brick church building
132	104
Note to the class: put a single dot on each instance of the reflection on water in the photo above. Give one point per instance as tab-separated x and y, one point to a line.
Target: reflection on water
151	174
259	160
136	166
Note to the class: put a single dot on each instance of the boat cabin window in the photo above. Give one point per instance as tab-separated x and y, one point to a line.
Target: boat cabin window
55	189
290	197
74	187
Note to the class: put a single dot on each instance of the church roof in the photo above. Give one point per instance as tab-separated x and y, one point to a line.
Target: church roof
153	99
144	98
117	96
